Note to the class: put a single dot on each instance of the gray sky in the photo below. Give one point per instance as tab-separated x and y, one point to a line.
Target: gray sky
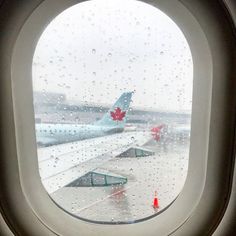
98	49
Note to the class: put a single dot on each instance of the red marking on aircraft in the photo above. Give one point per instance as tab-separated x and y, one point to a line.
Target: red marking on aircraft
156	132
118	114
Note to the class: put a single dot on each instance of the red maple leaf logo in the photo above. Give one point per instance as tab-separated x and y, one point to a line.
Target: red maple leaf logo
117	114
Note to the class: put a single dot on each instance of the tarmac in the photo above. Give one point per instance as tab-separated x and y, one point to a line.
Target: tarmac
164	172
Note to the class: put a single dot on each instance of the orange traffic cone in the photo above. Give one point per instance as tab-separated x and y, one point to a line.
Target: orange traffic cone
155	201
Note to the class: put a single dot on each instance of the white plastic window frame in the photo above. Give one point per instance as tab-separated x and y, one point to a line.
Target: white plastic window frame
211	131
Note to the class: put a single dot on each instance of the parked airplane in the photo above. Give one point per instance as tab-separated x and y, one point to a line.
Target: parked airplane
112	122
178	131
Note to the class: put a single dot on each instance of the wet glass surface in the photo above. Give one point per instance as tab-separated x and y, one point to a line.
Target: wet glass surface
112	83
165	173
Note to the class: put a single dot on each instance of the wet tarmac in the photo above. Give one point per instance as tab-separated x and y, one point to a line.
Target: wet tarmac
164	172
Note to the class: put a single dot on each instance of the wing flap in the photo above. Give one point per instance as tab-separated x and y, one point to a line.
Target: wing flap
61	164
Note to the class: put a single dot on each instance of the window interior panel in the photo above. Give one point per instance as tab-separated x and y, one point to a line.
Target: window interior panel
47	214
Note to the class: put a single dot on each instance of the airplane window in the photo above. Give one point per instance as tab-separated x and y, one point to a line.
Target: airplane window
112	83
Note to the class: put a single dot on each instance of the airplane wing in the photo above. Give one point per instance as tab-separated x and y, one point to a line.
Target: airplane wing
61	164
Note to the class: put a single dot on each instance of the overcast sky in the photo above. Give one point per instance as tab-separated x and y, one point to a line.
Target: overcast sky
98	49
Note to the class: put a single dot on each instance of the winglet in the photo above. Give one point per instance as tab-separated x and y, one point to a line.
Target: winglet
156	132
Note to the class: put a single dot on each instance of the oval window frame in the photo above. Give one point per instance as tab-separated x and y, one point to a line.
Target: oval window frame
24	128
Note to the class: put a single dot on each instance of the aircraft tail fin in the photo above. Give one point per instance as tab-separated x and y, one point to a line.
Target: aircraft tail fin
117	115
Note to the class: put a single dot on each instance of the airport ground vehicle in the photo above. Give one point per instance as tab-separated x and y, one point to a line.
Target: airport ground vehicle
213	211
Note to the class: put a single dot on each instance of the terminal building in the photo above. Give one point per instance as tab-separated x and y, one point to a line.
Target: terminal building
55	108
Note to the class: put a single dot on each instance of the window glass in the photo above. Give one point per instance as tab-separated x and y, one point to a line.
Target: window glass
112	83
